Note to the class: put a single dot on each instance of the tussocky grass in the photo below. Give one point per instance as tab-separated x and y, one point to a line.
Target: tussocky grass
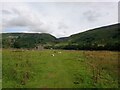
68	69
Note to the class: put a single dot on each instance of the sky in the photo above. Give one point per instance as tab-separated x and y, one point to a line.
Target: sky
60	19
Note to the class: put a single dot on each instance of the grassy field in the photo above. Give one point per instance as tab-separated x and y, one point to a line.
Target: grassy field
68	69
0	69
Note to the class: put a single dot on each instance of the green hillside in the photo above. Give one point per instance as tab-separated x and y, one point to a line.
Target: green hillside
103	38
100	35
26	40
100	38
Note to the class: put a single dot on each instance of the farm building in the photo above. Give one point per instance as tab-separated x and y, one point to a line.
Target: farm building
39	47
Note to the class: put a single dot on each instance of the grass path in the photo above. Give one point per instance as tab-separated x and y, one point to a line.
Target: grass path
54	72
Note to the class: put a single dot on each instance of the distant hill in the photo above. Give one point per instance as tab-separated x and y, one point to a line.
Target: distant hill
26	40
103	38
99	37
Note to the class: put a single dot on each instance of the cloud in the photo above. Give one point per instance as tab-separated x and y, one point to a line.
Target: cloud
91	16
24	17
61	1
6	11
62	25
58	19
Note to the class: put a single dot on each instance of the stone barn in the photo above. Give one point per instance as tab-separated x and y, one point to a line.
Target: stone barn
39	47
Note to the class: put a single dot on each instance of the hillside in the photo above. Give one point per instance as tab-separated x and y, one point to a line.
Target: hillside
106	37
26	40
100	37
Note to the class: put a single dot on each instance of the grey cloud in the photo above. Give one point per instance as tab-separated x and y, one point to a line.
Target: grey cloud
119	12
41	28
16	11
59	19
62	26
6	11
17	22
23	22
26	19
91	15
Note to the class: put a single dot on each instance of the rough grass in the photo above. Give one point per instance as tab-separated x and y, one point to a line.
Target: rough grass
0	69
68	69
